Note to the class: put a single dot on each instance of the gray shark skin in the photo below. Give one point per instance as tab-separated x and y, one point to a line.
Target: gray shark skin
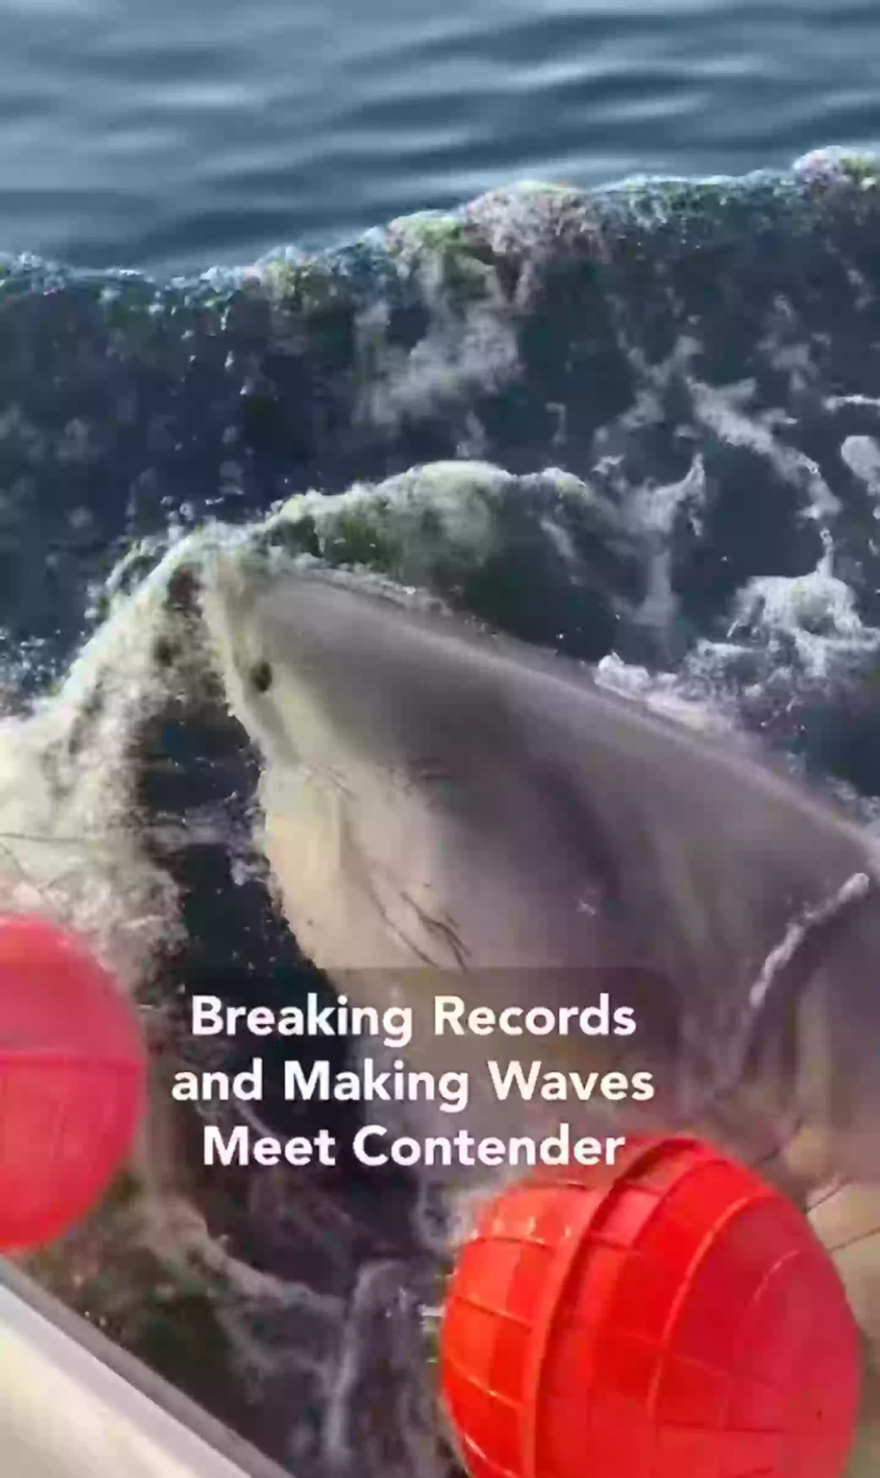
445	811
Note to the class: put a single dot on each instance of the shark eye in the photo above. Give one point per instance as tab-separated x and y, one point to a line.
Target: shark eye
261	676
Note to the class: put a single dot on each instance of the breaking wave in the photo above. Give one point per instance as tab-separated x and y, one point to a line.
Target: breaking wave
640	426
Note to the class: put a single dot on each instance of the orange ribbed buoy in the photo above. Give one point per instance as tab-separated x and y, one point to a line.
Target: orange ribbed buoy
72	1081
668	1317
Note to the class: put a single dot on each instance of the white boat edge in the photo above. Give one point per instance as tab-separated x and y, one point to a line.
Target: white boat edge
72	1404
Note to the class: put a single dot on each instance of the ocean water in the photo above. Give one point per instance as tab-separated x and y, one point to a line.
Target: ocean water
275	278
169	137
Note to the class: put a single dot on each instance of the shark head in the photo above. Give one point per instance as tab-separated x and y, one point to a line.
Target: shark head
410	819
443	809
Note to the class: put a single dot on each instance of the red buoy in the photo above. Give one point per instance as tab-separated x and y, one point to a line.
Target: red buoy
668	1317
72	1081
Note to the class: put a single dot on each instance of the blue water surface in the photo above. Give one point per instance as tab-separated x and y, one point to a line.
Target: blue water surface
169	135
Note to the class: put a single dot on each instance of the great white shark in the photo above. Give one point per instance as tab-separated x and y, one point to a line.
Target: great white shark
446	810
